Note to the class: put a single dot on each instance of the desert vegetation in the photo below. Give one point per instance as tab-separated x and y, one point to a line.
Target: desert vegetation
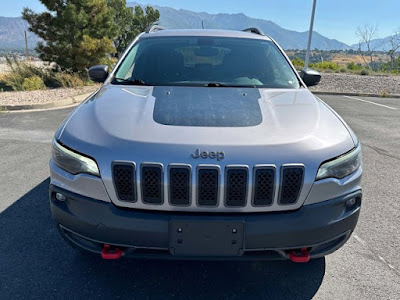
345	62
367	59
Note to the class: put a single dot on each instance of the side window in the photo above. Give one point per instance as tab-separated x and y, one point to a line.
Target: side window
127	66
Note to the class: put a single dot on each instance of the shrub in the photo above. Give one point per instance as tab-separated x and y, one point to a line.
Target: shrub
353	66
364	72
33	83
68	80
3	85
24	76
14	81
20	72
326	65
298	63
343	70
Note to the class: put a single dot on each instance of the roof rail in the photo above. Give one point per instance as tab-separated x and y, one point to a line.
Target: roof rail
154	28
254	30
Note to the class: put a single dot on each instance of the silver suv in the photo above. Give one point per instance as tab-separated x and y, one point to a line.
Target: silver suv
205	144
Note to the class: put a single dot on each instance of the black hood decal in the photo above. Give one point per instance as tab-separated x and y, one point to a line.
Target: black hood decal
207	106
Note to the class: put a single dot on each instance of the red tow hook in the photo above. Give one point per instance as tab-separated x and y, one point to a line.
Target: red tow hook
303	257
108	253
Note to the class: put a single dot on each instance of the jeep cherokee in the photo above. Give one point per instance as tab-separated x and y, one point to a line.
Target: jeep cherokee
205	144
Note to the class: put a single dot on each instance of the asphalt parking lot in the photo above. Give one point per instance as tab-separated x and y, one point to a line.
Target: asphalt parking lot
36	263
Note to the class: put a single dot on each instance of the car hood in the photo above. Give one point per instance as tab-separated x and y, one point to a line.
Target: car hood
167	124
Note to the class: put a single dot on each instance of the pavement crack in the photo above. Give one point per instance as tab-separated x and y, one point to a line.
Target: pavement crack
381	151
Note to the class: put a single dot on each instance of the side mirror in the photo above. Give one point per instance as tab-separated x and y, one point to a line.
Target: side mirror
98	73
310	77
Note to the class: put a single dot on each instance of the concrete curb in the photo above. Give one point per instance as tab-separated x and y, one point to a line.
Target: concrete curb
61	103
355	94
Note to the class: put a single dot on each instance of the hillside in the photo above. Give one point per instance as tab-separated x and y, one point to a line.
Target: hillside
377	45
12	34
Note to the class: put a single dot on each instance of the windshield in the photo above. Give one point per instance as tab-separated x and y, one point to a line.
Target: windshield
206	61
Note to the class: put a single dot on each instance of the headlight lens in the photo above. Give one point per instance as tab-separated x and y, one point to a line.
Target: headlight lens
341	166
72	162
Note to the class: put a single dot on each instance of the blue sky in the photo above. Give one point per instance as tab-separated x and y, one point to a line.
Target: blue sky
334	18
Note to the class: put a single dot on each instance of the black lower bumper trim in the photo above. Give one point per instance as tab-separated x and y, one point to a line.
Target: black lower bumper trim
95	246
321	227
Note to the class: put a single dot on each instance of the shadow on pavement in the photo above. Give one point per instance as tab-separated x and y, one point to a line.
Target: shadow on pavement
36	263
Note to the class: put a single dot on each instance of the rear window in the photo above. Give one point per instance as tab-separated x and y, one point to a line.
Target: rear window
206	61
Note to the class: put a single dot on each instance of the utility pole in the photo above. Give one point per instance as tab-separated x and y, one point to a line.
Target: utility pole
310	35
26	48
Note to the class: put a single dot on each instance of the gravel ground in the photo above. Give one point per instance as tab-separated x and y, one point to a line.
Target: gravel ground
345	83
43	96
330	82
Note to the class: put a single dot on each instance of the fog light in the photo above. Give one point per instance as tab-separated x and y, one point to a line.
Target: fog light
351	202
60	197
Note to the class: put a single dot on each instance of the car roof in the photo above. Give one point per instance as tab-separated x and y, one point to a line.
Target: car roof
206	32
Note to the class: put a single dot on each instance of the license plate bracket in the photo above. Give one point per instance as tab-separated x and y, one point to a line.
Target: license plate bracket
206	238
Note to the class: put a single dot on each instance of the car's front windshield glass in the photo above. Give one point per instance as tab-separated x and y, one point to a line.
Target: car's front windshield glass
206	61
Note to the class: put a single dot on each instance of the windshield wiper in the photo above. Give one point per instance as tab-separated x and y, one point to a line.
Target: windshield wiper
129	81
214	84
217	84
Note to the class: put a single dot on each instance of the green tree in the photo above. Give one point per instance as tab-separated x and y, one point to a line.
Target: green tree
130	22
142	19
123	18
76	33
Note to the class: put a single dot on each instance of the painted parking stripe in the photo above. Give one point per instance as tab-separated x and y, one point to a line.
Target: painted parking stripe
370	102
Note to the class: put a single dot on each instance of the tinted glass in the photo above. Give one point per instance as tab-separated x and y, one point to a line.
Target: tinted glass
207	61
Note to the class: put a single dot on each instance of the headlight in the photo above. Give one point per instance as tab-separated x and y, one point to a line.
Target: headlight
341	166
72	162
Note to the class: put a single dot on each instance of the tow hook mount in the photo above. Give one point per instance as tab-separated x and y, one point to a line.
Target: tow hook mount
302	257
111	253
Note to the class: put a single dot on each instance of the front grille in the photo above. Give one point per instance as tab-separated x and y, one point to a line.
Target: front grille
207	187
292	181
124	180
264	184
179	186
151	179
236	187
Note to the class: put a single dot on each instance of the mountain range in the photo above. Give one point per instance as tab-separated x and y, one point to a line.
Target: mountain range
12	29
288	39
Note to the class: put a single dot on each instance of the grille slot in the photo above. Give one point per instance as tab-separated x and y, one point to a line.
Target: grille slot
292	181
151	183
124	180
264	183
236	187
179	185
207	187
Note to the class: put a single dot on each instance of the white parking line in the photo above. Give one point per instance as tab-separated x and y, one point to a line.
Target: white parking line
370	102
375	251
359	239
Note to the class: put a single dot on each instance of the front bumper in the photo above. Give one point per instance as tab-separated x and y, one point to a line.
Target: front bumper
321	228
